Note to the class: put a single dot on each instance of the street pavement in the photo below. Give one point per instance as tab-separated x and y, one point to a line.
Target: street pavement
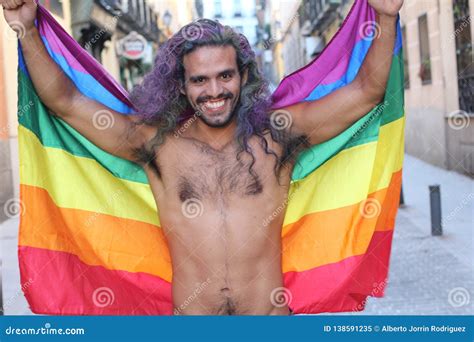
429	275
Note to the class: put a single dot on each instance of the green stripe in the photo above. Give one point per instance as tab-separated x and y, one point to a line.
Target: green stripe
54	132
362	131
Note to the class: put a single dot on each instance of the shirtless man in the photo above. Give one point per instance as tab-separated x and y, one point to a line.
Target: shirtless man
219	174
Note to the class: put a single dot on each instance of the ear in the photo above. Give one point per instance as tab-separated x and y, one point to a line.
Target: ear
182	90
245	76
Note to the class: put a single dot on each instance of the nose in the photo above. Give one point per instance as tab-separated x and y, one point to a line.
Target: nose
215	88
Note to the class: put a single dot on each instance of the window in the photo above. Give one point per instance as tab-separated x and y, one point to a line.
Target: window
239	29
464	56
54	6
218	9
405	58
425	61
237	8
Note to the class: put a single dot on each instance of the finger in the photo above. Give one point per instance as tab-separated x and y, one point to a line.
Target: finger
18	3
9	5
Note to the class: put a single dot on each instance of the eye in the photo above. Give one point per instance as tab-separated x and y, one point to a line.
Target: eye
226	76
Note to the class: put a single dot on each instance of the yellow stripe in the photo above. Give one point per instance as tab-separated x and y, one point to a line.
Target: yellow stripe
58	172
345	179
349	176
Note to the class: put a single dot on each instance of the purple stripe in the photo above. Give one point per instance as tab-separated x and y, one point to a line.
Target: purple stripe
331	64
77	56
60	49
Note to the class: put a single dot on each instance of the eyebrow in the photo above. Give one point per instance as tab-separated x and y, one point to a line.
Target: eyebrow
227	71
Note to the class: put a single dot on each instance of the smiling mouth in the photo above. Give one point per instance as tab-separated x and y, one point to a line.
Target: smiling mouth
214	106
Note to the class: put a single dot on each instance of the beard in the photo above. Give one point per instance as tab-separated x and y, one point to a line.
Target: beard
219	120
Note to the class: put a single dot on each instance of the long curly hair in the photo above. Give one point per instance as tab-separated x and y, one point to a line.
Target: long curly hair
159	102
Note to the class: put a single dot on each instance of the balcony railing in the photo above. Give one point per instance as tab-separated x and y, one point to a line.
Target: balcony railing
466	93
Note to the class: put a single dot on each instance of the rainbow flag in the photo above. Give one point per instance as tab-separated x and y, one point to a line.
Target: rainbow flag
90	238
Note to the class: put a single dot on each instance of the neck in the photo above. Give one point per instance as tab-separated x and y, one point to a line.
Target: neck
216	137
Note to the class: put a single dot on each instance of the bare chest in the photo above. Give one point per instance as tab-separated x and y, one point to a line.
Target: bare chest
196	171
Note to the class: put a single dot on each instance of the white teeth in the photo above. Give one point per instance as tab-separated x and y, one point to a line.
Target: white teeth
214	105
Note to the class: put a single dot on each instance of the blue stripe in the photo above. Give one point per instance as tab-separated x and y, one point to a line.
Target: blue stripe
358	55
85	83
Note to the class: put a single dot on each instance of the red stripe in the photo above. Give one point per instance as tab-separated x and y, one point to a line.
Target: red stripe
345	285
342	286
59	283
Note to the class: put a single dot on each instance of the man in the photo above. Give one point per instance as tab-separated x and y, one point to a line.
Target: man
217	172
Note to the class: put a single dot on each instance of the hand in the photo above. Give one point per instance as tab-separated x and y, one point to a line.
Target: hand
386	7
19	14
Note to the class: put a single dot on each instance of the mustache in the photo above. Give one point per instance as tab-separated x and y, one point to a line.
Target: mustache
223	96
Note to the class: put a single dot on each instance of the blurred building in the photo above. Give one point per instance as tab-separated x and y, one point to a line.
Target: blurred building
439	66
174	14
9	163
123	35
238	14
439	75
297	31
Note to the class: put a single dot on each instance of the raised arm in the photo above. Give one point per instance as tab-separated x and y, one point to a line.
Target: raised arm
120	137
330	115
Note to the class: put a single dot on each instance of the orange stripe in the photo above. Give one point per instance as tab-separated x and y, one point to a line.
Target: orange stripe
123	244
97	239
330	236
